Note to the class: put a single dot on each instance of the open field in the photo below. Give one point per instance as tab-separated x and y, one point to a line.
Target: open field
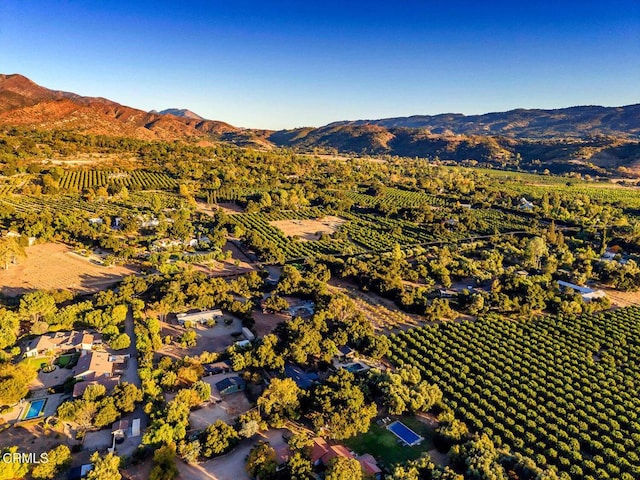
53	266
309	229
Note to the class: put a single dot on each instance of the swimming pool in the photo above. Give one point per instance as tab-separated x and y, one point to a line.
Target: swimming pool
35	408
354	367
404	433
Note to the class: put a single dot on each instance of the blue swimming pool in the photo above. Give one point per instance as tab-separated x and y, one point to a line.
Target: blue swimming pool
404	433
35	408
354	367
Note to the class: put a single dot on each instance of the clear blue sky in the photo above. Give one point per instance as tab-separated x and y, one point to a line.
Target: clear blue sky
294	63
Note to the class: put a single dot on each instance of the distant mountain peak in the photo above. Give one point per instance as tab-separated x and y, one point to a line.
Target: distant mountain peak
25	103
179	112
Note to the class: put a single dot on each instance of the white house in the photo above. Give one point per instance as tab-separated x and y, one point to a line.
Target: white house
62	342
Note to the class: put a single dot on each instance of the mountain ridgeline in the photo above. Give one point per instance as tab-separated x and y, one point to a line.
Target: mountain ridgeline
589	139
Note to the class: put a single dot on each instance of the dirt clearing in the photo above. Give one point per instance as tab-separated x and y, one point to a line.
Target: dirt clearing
53	266
230	208
310	229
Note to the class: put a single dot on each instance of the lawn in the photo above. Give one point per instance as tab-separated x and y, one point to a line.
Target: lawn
65	360
386	448
36	362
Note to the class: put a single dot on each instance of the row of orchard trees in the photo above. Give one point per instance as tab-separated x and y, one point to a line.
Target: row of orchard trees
562	390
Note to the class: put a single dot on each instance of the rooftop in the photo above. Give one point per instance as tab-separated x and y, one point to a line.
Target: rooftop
303	379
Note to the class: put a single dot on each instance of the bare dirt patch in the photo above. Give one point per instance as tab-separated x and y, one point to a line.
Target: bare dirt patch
238	264
266	322
385	316
310	229
230	208
54	266
33	437
621	299
209	339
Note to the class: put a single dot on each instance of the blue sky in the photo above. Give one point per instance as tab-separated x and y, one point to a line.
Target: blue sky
291	63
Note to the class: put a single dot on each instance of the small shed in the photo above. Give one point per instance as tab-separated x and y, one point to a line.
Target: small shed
135	427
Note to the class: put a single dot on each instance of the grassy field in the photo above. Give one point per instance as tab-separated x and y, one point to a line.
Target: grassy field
386	448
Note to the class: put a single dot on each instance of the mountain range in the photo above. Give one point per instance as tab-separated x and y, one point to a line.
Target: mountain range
589	138
179	112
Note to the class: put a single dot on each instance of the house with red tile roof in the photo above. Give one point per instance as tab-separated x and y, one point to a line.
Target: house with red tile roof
322	453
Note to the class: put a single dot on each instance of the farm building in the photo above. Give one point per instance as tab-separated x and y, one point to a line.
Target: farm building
230	385
586	293
199	317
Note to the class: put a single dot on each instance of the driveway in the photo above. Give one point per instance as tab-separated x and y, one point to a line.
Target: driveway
131	373
228	467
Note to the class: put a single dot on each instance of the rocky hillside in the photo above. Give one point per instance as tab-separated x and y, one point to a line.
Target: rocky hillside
573	122
24	103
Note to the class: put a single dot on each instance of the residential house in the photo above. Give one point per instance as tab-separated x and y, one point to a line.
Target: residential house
303	379
230	385
322	453
283	455
346	352
77	473
62	342
93	365
302	309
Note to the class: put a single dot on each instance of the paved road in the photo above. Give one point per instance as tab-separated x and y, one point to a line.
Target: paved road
131	373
